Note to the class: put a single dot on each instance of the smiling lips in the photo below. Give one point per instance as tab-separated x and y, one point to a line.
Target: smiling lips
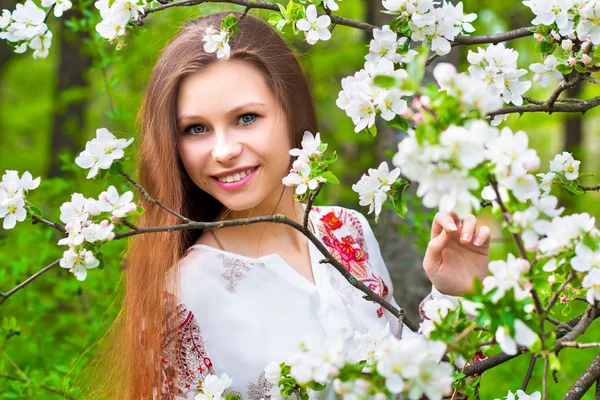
236	180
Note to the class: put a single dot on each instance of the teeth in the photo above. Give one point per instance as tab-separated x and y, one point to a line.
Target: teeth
235	177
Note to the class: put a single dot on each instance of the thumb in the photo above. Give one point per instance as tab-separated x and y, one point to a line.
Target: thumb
433	255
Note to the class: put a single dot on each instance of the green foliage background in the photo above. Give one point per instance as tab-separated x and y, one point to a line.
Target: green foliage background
50	328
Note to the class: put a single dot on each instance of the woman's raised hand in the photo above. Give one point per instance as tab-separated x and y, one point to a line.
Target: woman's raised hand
457	253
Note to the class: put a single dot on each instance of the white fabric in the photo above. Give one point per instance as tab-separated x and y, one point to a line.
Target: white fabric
252	311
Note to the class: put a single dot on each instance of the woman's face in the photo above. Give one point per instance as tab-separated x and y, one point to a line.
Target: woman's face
233	135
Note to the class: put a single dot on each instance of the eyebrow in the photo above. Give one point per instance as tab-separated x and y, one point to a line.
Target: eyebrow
182	118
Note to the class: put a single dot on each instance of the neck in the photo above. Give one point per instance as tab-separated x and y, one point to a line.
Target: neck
256	239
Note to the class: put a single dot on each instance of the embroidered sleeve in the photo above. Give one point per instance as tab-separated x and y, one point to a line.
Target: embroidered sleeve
381	269
185	360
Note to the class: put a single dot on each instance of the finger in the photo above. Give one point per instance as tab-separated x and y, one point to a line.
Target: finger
433	254
483	236
468	229
442	221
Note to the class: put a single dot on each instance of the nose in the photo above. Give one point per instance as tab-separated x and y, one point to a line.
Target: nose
226	146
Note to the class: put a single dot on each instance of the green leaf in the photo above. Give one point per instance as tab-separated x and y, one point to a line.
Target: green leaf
385	81
116	168
397	191
580	68
564	69
416	69
229	22
398	122
330	177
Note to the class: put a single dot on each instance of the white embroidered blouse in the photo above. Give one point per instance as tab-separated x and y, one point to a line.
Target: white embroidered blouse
237	314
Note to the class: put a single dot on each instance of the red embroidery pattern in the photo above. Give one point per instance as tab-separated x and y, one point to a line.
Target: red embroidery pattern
346	245
190	355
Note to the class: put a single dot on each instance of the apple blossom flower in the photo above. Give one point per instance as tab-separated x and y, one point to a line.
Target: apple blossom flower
546	71
592	282
563	233
546	182
60	7
506	275
78	262
219	43
213	387
311	146
101	152
589	23
12	209
300	176
565	163
373	188
78	209
585	258
524	336
118	206
316	27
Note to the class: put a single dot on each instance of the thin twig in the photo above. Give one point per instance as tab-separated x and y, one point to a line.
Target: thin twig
58	226
590	188
529	372
309	204
545	380
579	345
559	291
151	199
5	296
579	107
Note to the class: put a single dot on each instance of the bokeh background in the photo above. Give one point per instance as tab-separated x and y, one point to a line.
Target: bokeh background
49	108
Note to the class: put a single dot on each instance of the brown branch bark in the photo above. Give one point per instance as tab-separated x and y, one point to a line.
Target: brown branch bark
585	381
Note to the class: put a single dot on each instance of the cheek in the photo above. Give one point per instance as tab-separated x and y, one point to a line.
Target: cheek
194	159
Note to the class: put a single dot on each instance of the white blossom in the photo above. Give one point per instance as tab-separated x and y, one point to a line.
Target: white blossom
118	206
101	152
219	43
385	44
320	359
60	8
78	209
546	71
300	176
434	310
589	23
78	262
12	209
567	164
546	182
316	27
311	146
592	282
373	188
585	258
506	275
213	387
549	12
524	336
562	233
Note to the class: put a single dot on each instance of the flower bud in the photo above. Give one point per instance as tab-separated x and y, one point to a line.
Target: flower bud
586	59
552	279
406	113
110	236
571	61
585	45
537	77
425	101
418	118
524	265
563	299
104	223
209	31
131	207
555	34
567	44
114	218
538	37
416	103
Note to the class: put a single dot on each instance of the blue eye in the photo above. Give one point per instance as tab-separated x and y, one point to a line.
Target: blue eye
245	120
190	129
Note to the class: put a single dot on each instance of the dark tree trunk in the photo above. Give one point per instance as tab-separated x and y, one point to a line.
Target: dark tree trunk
69	121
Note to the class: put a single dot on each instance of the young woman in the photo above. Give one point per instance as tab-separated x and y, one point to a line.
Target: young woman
214	142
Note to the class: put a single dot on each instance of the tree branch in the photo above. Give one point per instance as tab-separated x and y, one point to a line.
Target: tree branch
582	107
585	381
5	296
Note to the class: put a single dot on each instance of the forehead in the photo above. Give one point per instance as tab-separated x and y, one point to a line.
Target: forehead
221	87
